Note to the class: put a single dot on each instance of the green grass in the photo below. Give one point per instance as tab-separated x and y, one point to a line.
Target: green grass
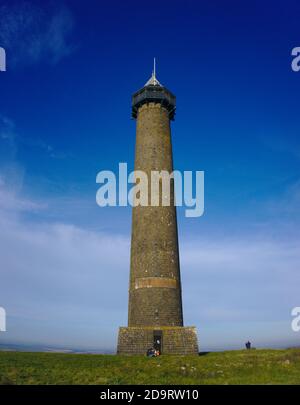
231	367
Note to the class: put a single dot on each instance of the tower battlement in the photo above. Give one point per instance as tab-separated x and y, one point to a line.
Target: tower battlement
157	94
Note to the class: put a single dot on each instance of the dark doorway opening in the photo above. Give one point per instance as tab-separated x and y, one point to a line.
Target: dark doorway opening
157	340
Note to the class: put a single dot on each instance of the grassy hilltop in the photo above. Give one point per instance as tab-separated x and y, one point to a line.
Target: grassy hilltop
231	367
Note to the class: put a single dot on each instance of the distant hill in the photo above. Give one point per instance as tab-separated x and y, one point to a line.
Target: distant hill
42	348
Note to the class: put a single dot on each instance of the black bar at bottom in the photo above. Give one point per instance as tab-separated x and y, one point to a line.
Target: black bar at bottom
133	393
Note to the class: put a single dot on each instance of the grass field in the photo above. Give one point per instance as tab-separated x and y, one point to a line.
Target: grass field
231	367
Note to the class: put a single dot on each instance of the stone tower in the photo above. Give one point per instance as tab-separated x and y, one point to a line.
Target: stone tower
155	305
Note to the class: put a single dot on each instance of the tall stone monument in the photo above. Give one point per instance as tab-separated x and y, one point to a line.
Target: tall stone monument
155	316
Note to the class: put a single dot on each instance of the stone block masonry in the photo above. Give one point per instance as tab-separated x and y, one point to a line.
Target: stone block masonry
175	340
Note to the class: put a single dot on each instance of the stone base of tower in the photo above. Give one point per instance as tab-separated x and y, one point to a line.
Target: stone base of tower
173	339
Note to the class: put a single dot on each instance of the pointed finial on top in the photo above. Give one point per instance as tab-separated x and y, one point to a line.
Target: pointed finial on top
153	79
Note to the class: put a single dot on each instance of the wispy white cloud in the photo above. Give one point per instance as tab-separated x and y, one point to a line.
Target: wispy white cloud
11	202
70	280
31	33
10	140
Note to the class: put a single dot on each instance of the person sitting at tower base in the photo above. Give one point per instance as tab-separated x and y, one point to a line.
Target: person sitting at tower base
151	352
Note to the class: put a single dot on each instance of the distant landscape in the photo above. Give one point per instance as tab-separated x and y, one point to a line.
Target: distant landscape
8	347
229	367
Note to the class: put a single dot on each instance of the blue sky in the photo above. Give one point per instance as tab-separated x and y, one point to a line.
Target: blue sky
65	115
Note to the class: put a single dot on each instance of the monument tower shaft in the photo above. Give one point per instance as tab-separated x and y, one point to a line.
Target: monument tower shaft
155	316
155	287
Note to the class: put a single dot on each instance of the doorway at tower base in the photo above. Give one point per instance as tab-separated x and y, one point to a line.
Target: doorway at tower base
171	339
